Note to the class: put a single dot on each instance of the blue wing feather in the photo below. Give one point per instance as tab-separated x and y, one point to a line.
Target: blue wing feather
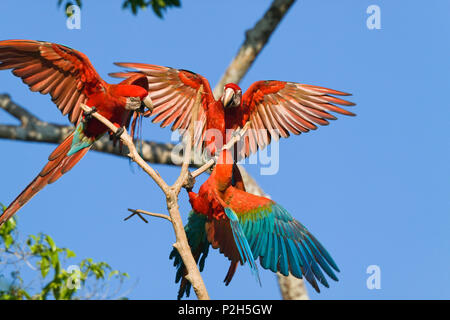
242	243
283	244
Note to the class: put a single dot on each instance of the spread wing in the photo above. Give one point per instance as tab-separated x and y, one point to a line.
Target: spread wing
173	92
66	74
278	108
282	243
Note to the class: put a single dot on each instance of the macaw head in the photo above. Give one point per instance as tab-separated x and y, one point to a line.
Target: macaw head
232	96
135	90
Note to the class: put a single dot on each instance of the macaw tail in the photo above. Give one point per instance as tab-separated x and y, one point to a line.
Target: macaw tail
196	234
62	159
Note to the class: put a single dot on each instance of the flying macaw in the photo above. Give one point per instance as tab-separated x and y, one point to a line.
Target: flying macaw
275	108
245	227
70	79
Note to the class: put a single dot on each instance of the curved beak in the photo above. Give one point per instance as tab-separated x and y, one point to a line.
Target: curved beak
147	103
228	97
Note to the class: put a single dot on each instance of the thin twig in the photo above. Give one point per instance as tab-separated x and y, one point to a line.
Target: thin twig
138	212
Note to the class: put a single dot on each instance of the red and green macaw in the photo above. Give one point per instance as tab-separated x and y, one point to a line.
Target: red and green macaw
245	227
70	79
275	108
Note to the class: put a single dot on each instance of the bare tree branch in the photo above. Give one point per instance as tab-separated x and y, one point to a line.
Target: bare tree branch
33	129
171	192
256	38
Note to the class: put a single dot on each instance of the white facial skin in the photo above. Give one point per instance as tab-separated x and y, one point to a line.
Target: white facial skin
134	103
231	98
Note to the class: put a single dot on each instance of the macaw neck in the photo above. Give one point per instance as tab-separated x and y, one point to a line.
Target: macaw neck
235	118
223	171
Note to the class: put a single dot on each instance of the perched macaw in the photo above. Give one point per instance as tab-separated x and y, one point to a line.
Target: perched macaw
70	79
278	107
245	227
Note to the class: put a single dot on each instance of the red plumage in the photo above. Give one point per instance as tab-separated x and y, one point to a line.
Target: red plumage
275	108
70	79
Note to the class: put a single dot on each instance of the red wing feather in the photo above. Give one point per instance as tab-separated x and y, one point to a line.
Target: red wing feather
173	93
66	74
59	164
278	108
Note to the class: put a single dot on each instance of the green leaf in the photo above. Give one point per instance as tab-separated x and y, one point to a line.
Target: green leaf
51	242
42	251
158	6
70	253
44	264
113	273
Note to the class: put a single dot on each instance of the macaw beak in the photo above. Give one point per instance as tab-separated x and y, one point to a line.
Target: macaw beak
147	103
228	97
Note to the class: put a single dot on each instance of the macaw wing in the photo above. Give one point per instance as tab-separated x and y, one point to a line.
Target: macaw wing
196	234
66	74
278	108
282	243
173	92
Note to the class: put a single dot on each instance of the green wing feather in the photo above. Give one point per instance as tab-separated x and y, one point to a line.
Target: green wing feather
283	244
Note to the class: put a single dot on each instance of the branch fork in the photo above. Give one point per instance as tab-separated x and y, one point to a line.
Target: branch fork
171	193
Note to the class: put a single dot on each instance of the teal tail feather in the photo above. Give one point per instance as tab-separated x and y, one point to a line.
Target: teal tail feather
242	244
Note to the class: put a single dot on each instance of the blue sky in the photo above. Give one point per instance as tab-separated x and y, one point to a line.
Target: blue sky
374	188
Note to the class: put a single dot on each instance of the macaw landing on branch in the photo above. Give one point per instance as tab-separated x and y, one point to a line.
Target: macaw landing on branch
274	108
70	79
245	227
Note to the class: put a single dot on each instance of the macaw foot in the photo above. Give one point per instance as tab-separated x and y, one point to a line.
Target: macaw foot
189	183
206	156
88	114
118	133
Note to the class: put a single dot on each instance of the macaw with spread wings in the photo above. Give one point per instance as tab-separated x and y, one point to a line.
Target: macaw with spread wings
70	79
274	108
245	227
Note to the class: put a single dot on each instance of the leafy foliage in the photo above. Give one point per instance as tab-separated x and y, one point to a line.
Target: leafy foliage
41	254
159	6
69	3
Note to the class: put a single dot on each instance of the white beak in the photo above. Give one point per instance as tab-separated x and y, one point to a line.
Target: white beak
228	97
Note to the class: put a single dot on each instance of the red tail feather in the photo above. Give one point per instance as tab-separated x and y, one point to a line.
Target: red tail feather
59	163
